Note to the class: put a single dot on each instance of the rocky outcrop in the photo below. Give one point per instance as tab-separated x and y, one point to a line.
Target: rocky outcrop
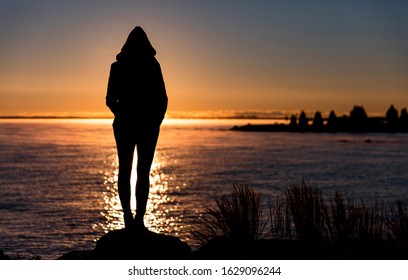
3	256
127	244
222	248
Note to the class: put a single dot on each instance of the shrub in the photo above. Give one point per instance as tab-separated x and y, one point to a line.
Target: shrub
280	220
236	216
397	223
350	222
308	212
338	225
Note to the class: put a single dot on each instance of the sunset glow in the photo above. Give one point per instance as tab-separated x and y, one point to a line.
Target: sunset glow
55	55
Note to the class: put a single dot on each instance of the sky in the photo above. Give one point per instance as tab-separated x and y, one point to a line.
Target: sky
217	57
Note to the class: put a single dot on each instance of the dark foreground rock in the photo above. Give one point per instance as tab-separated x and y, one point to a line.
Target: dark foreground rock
130	245
3	256
134	245
221	248
146	245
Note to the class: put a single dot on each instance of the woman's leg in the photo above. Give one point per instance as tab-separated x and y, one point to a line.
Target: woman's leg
145	153
125	147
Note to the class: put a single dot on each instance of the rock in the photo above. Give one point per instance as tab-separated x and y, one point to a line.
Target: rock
79	255
3	256
134	244
263	249
219	248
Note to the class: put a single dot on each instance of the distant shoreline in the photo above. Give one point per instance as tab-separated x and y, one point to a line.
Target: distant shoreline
287	128
356	122
50	117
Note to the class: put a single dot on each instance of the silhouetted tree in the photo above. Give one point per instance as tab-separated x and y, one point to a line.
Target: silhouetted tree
303	121
317	122
403	120
343	123
358	119
392	118
293	121
332	122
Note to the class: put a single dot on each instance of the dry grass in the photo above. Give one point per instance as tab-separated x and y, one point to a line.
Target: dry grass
236	216
308	211
352	222
397	223
303	214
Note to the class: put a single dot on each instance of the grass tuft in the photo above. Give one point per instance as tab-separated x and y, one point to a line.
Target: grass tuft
397	223
236	216
308	211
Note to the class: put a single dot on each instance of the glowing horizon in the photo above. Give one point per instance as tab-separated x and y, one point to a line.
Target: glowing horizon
209	114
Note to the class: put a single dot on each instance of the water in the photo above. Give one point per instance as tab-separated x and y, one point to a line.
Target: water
58	178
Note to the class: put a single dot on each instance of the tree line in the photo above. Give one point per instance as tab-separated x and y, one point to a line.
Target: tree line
356	121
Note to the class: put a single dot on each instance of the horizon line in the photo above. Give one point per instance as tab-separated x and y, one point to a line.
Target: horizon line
187	118
218	114
256	114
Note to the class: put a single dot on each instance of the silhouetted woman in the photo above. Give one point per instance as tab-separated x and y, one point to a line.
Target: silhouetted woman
137	97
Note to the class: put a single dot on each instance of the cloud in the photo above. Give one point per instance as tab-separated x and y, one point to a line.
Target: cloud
230	114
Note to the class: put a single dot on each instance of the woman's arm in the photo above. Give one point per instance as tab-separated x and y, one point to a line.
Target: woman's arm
112	94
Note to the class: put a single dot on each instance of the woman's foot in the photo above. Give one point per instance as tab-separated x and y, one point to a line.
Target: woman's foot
128	218
139	223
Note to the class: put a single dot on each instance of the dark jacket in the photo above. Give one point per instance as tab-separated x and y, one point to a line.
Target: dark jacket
136	91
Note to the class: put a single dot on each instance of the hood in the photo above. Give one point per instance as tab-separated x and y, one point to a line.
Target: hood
136	46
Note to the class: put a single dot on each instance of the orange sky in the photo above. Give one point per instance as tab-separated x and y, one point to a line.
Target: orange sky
55	55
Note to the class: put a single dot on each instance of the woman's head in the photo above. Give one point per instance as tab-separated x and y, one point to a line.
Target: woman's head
136	45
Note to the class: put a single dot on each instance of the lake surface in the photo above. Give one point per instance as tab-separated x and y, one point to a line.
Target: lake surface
58	188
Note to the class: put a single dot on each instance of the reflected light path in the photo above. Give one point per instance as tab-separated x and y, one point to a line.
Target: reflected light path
160	205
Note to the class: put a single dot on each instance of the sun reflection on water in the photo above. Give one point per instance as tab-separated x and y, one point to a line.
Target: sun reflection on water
160	205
